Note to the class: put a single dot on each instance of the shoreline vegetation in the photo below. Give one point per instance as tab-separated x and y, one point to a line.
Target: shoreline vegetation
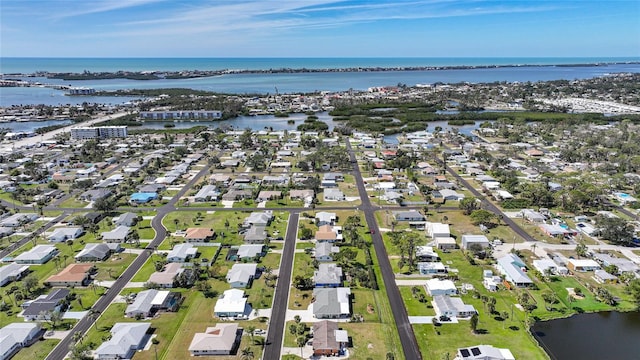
188	74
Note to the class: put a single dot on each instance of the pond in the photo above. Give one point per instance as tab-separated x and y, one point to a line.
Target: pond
597	336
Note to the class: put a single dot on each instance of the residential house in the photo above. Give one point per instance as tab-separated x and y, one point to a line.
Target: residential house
426	254
333	176
447	194
604	277
220	179
331	303
12	272
262	218
328	340
182	253
65	233
326	233
207	193
478	240
39	254
232	303
222	339
269	195
623	265
16	220
278	180
440	287
241	275
152	188
72	275
333	195
167	276
15	336
199	235
126	219
490	281
97	252
118	235
42	307
126	339
304	195
324	251
452	307
142	197
533	216
325	218
327	275
256	234
435	230
484	352
148	302
545	266
95	194
431	268
250	251
445	243
514	270
582	265
236	194
412	215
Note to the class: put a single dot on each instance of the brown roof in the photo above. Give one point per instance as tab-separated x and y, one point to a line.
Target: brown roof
199	233
325	232
324	335
73	272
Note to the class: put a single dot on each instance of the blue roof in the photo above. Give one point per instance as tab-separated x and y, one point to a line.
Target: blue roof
143	196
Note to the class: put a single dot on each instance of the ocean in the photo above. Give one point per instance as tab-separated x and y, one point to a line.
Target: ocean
299	82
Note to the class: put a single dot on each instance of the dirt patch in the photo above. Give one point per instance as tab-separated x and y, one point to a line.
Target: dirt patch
370	308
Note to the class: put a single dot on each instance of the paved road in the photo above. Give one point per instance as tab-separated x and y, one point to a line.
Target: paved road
28	238
407	336
61	350
275	333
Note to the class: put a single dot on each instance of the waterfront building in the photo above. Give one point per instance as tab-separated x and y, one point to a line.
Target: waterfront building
100	132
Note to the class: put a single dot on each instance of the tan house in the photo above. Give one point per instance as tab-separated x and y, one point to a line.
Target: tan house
222	339
72	275
196	235
327	339
326	233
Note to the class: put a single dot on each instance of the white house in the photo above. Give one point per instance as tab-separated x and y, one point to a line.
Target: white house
182	253
514	270
468	240
15	336
222	339
40	254
452	307
440	287
126	338
484	352
65	233
232	303
12	272
333	195
435	230
241	275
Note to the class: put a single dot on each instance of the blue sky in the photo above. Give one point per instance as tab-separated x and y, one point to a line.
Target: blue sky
318	28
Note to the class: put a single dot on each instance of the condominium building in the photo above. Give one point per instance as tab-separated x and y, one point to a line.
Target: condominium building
101	132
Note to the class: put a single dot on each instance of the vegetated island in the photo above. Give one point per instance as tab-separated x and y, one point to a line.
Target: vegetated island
188	74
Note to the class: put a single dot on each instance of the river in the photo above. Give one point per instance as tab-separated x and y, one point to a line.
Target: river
596	336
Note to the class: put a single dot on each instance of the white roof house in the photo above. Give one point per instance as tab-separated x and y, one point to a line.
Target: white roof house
119	234
331	302
513	268
14	336
182	253
126	338
435	230
145	301
12	272
583	265
468	240
232	303
250	251
440	287
65	233
241	275
484	352
452	307
543	264
40	254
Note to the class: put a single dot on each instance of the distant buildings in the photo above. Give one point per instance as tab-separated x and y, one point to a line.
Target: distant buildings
181	115
100	132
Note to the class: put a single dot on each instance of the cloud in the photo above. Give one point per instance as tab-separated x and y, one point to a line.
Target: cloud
99	6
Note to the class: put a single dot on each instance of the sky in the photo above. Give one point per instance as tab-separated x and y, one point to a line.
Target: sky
319	28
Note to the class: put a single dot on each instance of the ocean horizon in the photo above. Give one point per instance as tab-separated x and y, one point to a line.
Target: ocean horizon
28	65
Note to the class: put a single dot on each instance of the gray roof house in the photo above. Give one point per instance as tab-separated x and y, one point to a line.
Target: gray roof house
327	275
118	235
166	277
324	251
250	251
149	301
97	252
468	240
333	195
452	307
511	266
331	303
255	235
16	220
15	336
94	194
40	308
40	254
65	233
126	219
241	275
126	338
325	218
207	193
182	253
412	215
12	272
262	218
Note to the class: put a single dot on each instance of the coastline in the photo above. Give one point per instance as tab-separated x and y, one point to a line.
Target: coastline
195	73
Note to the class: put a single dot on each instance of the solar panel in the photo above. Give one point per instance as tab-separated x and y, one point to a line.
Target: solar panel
464	353
475	351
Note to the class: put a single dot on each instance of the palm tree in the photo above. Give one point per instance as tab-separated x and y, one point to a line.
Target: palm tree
247	354
93	316
250	330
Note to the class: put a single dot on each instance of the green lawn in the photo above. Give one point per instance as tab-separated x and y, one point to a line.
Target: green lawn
413	305
39	350
111	268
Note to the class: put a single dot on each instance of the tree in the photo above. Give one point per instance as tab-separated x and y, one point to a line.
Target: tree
29	283
301	341
105	204
468	205
483	217
251	331
549	297
633	288
93	316
473	323
581	250
247	354
617	230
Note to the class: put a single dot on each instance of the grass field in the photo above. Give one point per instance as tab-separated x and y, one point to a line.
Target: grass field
39	350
